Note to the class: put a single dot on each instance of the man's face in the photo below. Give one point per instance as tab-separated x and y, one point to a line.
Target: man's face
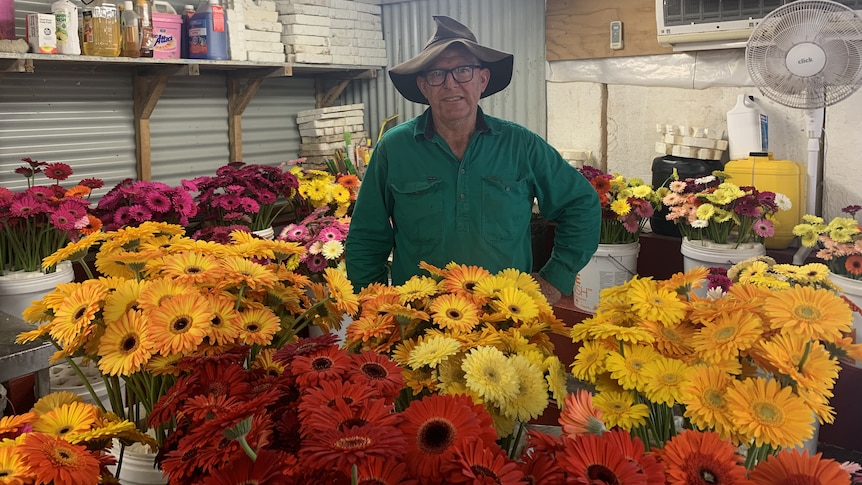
453	100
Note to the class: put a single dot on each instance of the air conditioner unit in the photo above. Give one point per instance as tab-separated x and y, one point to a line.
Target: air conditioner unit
687	25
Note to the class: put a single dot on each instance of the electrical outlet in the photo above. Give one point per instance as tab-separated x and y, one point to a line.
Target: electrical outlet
616	35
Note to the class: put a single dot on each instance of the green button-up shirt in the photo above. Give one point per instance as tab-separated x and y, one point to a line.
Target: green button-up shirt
420	203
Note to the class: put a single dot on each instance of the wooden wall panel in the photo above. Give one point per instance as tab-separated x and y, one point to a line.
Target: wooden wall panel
580	29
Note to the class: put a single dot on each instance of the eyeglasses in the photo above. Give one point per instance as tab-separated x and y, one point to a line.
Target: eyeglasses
462	74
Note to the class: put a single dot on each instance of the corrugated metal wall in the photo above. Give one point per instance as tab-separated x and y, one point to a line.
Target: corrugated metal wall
516	26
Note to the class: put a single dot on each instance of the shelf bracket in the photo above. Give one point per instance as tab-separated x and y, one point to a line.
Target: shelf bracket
241	89
325	97
147	89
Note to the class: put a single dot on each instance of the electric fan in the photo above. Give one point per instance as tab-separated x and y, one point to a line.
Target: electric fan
807	54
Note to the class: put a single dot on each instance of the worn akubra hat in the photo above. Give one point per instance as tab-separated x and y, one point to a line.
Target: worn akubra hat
450	31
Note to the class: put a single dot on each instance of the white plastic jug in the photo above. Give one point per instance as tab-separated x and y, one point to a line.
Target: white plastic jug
747	129
66	15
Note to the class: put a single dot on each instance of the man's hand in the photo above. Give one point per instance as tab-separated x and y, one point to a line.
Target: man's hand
552	294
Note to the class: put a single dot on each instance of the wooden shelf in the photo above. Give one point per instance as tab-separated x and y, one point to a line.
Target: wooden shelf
151	76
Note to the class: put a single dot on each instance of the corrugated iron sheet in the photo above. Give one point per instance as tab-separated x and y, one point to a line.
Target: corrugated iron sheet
516	26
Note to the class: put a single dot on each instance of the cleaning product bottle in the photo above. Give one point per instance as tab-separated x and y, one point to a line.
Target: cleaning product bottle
100	34
129	24
208	32
66	15
188	13
145	17
747	129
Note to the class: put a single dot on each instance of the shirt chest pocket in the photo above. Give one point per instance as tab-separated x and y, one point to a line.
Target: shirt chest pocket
506	209
418	209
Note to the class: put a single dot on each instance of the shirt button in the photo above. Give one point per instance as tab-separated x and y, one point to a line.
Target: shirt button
463	171
463	196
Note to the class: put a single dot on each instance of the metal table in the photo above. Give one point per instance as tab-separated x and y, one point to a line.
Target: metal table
18	360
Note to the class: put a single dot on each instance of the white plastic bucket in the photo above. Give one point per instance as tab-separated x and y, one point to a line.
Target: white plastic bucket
19	289
315	331
64	378
138	467
715	255
266	233
852	291
611	265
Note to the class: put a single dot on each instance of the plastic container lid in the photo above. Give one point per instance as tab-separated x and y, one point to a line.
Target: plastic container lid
127	5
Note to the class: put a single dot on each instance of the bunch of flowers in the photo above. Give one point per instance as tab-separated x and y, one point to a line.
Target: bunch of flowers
708	208
766	272
318	188
463	330
627	204
161	296
62	440
323	237
132	202
752	364
839	242
43	218
241	194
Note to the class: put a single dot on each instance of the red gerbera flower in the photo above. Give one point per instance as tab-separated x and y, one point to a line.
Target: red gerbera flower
633	450
590	458
435	425
326	364
325	396
373	412
853	264
57	171
701	458
375	471
54	460
476	462
270	467
791	466
377	371
340	449
538	462
93	183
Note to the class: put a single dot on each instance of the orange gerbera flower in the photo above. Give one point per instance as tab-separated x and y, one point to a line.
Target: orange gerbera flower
579	416
476	462
789	466
53	460
701	458
590	458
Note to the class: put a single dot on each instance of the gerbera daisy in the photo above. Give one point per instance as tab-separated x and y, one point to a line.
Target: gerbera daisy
325	364
12	468
765	412
191	268
432	351
179	324
475	462
702	458
239	271
76	313
462	279
579	416
454	312
516	304
125	346
340	449
727	335
53	460
591	458
818	314
589	361
628	367
531	397
665	378
489	374
619	409
257	325
704	399
377	371
341	290
655	303
791	466
671	340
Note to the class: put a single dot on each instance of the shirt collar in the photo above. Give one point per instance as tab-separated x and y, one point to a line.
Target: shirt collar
425	126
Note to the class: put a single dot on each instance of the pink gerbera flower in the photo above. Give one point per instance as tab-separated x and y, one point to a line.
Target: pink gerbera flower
64	220
764	228
316	262
158	202
294	232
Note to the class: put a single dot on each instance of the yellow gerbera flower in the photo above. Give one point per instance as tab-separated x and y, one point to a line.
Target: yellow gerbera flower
125	347
454	312
726	336
665	379
462	278
122	299
223	327
54	400
161	289
589	361
671	340
619	409
767	413
239	271
75	315
257	325
654	303
807	363
189	268
531	397
179	324
628	367
431	351
516	304
14	470
817	314
67	418
341	290
556	377
705	402
489	374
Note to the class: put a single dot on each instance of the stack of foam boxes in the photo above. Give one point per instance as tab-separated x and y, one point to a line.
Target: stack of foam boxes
342	32
322	131
254	32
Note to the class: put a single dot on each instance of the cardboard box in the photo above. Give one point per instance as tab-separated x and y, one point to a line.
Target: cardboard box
42	33
167	29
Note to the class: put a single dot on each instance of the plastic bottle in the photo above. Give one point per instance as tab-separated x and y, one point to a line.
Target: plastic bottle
145	16
66	15
129	23
100	35
208	32
188	13
747	129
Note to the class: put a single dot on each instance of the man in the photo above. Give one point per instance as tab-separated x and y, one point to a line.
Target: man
457	185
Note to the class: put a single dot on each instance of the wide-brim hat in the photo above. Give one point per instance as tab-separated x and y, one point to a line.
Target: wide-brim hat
450	31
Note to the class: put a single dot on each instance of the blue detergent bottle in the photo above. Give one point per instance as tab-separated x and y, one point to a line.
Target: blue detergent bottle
208	32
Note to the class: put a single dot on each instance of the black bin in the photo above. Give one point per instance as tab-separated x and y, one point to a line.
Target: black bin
662	175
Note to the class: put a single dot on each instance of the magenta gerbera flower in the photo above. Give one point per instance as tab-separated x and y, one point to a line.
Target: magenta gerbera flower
26	206
316	262
58	171
64	220
157	202
294	232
